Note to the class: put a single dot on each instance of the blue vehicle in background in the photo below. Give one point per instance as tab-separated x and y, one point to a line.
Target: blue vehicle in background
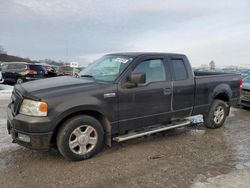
245	93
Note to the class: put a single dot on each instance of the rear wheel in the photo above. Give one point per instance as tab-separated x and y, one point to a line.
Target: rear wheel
217	115
80	138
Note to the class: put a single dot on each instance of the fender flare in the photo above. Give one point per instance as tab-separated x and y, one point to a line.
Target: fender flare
221	89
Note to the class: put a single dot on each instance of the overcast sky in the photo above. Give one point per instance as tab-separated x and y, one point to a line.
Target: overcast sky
70	30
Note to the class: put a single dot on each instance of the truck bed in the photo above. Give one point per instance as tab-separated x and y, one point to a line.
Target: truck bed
204	73
211	83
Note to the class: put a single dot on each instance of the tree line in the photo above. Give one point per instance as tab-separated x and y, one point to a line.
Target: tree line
5	57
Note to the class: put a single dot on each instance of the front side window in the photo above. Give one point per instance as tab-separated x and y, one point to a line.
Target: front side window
107	68
20	66
154	70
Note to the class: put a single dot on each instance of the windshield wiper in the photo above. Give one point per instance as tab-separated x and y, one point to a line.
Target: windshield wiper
87	76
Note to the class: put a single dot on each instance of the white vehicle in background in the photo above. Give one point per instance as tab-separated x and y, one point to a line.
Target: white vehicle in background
1	77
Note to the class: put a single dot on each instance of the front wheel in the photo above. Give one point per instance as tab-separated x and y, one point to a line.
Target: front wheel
217	115
80	138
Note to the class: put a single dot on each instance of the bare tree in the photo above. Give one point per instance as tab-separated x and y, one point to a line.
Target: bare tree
2	50
212	65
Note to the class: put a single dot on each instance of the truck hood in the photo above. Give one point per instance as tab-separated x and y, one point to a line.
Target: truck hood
55	86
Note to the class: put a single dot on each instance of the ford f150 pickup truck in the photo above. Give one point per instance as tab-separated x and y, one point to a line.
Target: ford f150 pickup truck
118	97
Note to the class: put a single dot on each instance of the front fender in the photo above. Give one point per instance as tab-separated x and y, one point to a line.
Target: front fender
80	108
79	103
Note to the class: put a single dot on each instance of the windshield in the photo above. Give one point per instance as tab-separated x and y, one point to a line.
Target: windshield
107	68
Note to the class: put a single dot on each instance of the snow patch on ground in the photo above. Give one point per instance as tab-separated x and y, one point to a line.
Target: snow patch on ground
195	119
5	96
5	91
239	178
5	88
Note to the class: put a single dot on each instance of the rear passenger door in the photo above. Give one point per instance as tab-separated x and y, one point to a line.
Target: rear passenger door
183	86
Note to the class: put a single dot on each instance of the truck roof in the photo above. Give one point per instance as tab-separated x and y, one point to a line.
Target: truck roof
136	54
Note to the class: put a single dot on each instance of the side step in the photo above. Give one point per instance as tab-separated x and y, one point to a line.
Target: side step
149	131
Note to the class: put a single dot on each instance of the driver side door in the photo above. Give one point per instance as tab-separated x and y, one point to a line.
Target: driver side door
148	103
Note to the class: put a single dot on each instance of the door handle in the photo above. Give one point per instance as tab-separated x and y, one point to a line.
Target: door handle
167	91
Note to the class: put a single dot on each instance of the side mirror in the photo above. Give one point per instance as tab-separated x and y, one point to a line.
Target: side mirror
138	78
134	79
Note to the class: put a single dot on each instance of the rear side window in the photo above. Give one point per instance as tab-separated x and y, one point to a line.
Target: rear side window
13	66
20	66
4	67
36	67
180	71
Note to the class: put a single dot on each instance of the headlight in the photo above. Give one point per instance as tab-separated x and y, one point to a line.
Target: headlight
33	108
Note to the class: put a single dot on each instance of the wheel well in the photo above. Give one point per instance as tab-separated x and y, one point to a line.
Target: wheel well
222	96
100	117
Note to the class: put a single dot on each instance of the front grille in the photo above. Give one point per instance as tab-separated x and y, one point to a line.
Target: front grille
16	100
245	94
244	102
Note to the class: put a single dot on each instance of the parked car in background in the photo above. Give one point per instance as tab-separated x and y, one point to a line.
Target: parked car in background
245	73
50	71
1	77
19	72
245	92
65	71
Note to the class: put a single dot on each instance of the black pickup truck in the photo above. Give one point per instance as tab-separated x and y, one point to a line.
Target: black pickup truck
118	97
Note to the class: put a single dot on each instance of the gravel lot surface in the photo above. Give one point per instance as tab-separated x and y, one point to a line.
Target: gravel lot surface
186	157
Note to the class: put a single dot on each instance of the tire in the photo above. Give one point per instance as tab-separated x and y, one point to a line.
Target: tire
216	115
80	138
19	81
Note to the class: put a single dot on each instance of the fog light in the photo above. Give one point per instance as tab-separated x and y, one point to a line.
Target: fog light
23	137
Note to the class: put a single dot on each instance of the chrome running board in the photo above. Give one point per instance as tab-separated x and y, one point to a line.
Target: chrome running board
150	130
